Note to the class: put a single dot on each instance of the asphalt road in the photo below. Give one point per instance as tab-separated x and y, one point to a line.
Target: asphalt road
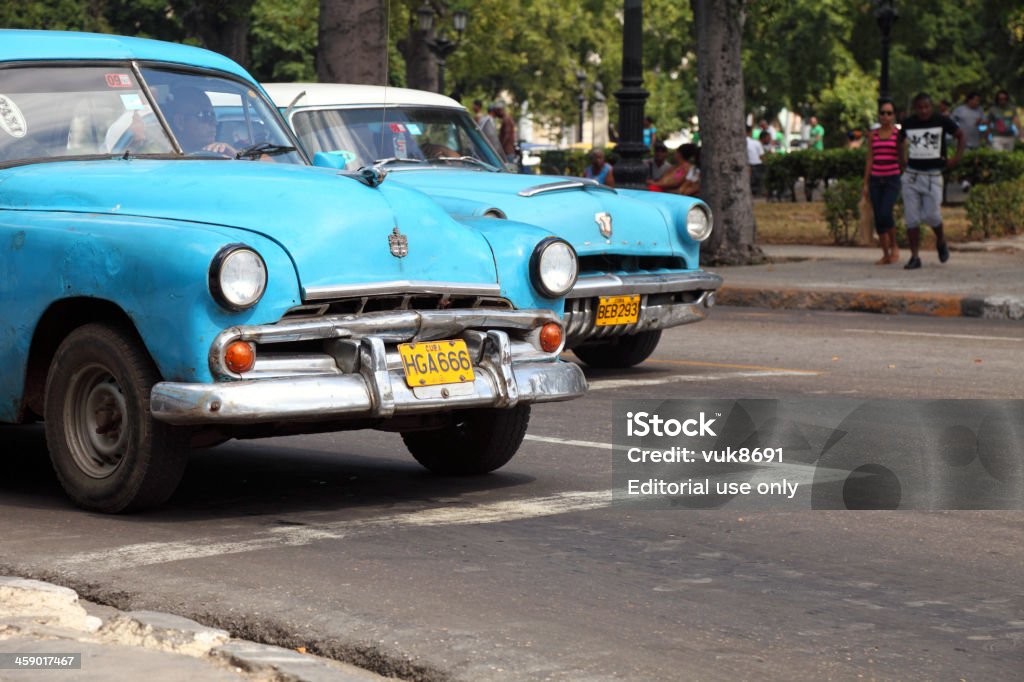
342	544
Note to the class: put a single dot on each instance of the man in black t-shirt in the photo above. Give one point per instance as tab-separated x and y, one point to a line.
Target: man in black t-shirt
922	143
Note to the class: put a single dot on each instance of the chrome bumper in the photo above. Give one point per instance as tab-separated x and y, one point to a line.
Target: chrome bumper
359	375
666	300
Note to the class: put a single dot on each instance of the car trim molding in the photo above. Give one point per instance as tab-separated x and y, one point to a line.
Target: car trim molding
561	185
615	285
404	286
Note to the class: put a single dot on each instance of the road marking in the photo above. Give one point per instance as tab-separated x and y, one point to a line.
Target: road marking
569	441
605	384
726	365
941	336
151	553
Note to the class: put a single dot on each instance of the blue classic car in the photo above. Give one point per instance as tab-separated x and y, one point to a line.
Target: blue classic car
174	273
639	251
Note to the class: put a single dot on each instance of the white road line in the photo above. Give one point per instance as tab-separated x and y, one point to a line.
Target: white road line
605	384
940	336
569	441
151	553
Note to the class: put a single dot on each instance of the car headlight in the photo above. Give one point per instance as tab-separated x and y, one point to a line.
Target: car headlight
554	267
699	223
238	277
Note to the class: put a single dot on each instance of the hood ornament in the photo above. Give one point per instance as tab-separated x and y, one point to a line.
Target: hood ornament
399	244
604	223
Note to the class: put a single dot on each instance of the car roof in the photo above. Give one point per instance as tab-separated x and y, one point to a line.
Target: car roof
23	45
327	94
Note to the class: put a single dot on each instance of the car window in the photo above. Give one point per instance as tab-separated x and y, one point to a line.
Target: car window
365	136
60	111
210	115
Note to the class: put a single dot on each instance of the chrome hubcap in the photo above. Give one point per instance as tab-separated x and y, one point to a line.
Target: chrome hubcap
96	416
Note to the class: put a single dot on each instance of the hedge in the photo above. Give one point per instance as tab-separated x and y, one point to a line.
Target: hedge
996	209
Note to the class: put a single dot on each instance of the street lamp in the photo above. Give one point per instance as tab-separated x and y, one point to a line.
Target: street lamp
441	46
630	171
886	15
581	80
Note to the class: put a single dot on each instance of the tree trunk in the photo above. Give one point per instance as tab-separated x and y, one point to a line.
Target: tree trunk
220	26
352	45
725	184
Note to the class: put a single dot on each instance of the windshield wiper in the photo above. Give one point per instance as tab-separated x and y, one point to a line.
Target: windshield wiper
396	159
464	159
257	150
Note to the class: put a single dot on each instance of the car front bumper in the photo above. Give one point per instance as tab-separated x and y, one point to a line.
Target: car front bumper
359	375
666	300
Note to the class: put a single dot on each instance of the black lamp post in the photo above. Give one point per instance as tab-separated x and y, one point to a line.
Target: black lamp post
441	46
886	15
581	98
630	171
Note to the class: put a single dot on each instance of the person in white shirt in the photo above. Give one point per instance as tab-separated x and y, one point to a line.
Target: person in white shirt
755	150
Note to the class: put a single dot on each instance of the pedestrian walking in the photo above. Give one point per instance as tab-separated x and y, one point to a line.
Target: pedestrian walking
969	116
882	179
658	164
755	165
598	169
650	132
923	157
817	138
1002	122
506	132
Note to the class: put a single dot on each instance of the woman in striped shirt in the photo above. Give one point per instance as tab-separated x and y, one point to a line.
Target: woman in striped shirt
882	179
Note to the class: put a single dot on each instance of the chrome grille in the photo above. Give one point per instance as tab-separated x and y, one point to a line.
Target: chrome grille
580	316
357	305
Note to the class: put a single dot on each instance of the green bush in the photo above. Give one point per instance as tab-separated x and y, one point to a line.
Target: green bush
986	166
996	209
842	212
816	167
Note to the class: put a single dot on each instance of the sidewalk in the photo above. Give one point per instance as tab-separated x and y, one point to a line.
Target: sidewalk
981	279
40	619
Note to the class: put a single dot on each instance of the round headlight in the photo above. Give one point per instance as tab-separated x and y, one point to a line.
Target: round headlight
698	223
238	277
554	267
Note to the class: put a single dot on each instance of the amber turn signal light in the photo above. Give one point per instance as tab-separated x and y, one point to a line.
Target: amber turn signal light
240	357
550	337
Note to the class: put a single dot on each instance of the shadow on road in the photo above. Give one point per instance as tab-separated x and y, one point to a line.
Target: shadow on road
256	478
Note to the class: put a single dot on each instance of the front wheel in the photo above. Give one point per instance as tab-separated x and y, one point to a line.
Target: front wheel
109	454
621	352
476	442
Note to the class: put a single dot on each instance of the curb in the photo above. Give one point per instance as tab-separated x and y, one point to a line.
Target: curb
886	302
36	611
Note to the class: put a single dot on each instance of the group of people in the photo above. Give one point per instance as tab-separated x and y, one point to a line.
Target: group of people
676	173
910	160
498	127
997	126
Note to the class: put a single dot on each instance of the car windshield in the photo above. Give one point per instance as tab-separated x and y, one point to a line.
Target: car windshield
415	135
61	111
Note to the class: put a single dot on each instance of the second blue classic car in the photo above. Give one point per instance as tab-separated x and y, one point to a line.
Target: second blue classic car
639	251
173	273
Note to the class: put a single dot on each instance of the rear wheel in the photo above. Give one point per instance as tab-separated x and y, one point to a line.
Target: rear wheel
109	453
621	352
476	442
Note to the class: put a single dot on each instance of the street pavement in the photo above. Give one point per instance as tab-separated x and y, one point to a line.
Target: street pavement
339	544
981	279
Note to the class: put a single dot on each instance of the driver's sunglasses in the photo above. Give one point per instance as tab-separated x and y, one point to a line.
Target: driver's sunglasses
883	112
205	116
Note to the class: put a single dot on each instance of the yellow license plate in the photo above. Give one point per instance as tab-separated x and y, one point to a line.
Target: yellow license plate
436	362
617	310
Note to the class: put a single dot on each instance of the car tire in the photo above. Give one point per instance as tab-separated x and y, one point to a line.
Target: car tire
109	454
476	442
621	352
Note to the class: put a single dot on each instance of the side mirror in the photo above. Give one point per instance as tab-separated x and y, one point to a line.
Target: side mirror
335	160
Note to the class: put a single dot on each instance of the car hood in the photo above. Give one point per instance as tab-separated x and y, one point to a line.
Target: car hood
335	228
638	227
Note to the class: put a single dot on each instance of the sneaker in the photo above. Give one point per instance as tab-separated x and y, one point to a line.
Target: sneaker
943	250
913	264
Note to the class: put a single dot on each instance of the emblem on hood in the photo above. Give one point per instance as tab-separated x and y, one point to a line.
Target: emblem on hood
604	223
399	244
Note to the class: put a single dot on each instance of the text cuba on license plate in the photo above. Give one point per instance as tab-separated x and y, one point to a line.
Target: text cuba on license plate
617	310
436	362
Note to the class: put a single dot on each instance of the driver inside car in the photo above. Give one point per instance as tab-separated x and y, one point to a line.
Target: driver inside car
193	121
